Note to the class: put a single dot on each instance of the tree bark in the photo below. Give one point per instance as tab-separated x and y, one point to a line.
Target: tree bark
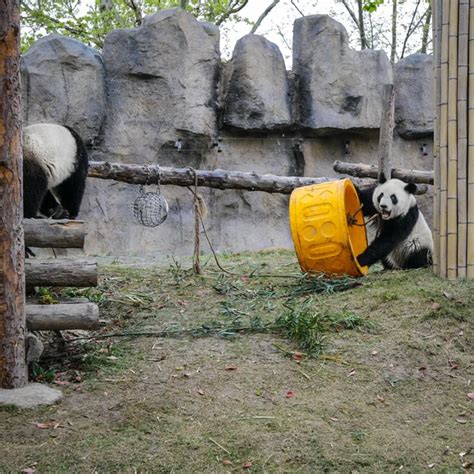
362	170
13	371
386	130
393	49
50	233
363	40
61	317
218	179
61	272
426	30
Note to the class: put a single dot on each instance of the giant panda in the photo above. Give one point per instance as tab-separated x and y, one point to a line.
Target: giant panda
403	238
55	165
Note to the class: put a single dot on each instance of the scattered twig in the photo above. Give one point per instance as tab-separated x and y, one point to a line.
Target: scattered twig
220	446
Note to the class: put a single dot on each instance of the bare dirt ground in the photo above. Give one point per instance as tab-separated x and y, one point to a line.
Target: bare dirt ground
231	386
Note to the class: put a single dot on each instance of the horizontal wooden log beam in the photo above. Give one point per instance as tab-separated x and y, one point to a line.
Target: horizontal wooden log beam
61	272
218	179
61	233
60	317
361	170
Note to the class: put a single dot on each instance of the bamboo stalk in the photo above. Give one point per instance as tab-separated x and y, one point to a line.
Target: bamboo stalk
437	27
463	69
443	137
470	169
452	218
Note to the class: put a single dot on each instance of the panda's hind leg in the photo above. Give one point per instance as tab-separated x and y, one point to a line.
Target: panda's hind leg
71	191
51	208
418	259
35	188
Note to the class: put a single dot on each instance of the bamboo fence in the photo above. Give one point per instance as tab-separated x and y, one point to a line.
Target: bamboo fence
453	224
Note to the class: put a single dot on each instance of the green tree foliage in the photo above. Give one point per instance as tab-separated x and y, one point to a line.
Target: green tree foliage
89	21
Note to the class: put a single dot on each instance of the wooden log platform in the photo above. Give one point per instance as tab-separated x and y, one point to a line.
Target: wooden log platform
60	317
47	233
61	272
218	179
371	171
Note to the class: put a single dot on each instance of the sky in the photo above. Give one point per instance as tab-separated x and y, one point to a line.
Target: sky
278	25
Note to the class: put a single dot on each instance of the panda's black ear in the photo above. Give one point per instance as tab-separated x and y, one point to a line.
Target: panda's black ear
382	178
411	188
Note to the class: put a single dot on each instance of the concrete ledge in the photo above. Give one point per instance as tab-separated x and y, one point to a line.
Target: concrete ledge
30	396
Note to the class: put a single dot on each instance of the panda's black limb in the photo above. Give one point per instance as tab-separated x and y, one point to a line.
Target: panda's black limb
35	188
365	198
71	191
390	234
419	258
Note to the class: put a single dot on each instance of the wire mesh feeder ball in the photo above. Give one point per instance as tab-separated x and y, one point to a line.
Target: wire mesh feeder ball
150	208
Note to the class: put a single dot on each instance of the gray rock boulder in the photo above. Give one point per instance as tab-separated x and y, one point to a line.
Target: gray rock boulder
414	106
258	92
337	88
63	81
162	85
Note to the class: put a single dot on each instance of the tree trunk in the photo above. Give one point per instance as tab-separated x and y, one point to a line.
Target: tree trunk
386	131
50	233
13	371
363	40
61	272
393	49
61	317
218	179
426	30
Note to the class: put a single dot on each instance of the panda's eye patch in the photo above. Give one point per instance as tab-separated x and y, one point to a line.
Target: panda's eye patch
379	197
394	199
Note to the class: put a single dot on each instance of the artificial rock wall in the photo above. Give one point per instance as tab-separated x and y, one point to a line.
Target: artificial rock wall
165	81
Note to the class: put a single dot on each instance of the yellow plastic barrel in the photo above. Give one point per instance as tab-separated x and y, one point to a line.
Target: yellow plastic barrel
323	238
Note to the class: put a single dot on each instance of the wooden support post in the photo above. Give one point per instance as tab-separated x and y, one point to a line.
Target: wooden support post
61	317
13	371
49	233
387	125
61	272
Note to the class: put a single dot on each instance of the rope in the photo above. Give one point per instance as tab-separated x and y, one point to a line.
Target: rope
197	220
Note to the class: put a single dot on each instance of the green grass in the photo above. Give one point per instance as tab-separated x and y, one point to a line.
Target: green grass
226	358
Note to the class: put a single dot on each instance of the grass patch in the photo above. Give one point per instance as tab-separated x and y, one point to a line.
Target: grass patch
387	384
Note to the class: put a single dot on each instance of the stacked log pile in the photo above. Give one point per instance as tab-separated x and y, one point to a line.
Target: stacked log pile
60	272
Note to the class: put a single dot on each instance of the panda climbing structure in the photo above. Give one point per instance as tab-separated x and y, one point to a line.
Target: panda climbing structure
403	238
55	168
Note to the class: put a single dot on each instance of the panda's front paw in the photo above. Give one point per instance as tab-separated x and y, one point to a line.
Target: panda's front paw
363	260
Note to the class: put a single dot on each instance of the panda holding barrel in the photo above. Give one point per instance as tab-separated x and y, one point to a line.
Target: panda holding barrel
55	165
403	238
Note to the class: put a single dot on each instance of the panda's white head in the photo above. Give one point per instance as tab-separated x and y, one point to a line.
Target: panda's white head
393	198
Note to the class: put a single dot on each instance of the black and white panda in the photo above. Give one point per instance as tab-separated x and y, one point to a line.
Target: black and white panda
55	165
403	238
